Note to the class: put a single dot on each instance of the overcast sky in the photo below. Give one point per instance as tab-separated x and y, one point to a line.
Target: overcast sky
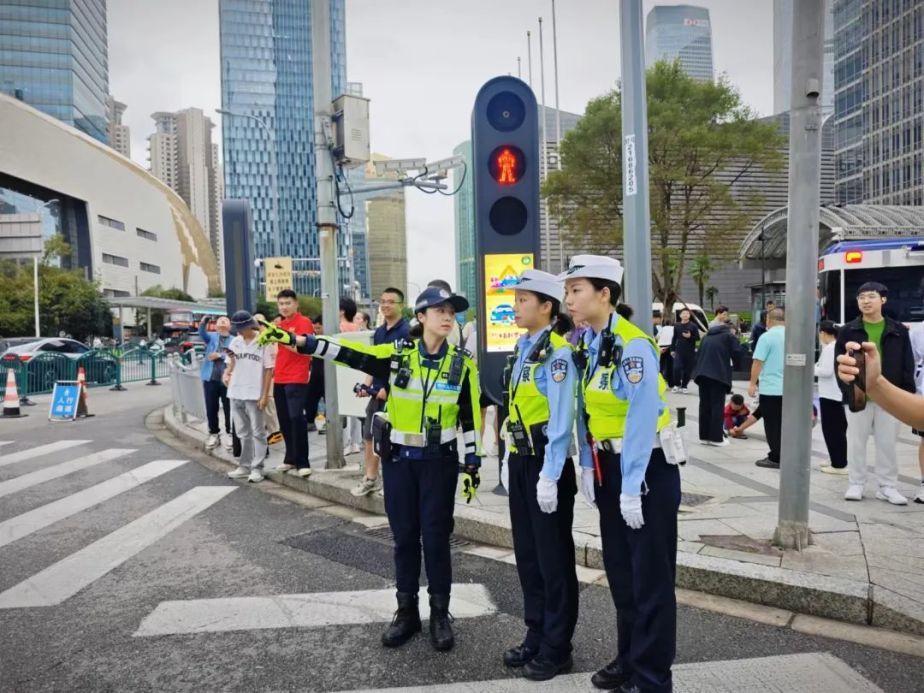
421	63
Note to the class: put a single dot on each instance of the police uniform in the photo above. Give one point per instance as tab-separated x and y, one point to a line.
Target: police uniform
429	397
623	419
540	389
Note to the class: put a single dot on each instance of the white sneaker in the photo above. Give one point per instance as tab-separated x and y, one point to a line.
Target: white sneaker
887	493
256	476
239	473
353	449
229	443
284	467
920	497
830	469
724	443
365	487
212	441
684	391
854	493
675	389
304	472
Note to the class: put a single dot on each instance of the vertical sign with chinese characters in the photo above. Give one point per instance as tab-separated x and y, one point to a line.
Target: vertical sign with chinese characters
278	275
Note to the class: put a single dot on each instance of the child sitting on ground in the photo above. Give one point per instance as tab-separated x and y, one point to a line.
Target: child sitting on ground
736	413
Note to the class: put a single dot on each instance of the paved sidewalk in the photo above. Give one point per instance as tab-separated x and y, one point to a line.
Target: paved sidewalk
865	563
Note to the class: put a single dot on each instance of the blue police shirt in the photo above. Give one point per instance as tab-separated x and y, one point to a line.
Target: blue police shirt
645	406
561	400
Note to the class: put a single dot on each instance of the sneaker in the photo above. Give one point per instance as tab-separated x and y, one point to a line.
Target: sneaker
675	389
830	469
351	449
304	472
684	391
887	493
284	467
920	497
854	493
715	444
274	438
365	487
256	476
239	473
212	441
229	444
767	463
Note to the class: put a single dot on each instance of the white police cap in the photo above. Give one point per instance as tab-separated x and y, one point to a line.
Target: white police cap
541	282
594	267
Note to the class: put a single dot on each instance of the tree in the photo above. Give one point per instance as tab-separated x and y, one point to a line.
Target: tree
67	301
172	293
712	294
696	131
700	271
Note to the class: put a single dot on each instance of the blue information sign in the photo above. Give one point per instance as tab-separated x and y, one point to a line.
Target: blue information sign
64	401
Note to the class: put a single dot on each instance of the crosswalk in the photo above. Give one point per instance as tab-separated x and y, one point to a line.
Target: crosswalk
63	579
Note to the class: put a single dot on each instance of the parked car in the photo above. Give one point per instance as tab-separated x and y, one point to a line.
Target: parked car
55	358
698	314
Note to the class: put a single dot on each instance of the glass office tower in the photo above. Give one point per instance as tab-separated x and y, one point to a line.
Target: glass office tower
54	56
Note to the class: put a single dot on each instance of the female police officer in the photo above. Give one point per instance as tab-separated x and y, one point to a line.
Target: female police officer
432	389
540	392
623	421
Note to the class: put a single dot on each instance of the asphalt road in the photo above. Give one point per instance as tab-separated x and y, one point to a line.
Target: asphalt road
78	578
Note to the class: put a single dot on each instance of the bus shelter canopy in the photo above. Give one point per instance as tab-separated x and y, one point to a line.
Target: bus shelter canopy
765	244
167	304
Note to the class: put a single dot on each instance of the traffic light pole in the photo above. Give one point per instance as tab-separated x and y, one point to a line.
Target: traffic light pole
327	214
636	216
801	272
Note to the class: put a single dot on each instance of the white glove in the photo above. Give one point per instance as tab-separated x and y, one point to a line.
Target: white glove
547	494
587	486
631	508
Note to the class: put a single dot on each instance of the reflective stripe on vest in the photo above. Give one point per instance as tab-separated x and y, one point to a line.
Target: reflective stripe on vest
404	405
527	403
607	412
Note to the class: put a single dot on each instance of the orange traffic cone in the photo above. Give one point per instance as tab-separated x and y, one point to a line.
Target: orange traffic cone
82	408
82	378
11	398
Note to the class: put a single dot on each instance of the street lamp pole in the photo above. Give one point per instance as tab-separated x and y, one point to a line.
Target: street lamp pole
271	147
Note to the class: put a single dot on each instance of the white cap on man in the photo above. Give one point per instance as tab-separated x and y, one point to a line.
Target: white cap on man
594	267
540	282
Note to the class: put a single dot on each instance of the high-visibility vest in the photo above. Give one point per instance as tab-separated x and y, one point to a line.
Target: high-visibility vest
527	403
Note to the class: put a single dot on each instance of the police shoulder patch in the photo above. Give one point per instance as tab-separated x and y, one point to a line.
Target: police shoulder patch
634	369
559	369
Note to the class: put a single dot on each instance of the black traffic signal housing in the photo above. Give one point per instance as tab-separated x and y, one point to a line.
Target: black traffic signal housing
505	168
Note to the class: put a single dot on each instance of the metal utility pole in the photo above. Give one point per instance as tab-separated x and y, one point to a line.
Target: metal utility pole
327	213
519	68
529	56
561	245
546	254
636	214
801	271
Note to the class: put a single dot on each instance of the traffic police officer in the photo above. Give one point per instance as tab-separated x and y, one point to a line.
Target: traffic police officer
433	389
625	433
540	402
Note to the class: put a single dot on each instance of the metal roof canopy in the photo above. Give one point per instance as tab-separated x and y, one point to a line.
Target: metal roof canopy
836	223
155	303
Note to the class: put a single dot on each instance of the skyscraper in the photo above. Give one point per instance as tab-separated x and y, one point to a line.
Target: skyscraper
782	57
879	102
183	156
119	135
680	31
54	56
464	210
386	234
268	138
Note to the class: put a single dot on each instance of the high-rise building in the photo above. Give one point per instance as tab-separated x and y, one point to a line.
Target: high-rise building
54	56
119	135
183	156
680	32
268	135
879	101
782	57
555	250
386	235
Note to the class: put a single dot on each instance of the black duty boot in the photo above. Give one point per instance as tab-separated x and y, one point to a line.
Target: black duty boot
441	636
406	622
613	675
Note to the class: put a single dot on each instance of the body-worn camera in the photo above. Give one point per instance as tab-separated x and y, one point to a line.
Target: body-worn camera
403	376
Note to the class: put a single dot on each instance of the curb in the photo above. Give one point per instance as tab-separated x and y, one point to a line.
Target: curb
805	593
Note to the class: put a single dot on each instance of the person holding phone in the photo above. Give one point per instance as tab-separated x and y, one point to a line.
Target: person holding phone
866	418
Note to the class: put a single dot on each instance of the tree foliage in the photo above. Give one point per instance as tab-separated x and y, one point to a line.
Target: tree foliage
701	141
67	301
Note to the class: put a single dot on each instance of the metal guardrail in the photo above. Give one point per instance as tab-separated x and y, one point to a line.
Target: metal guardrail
188	393
103	367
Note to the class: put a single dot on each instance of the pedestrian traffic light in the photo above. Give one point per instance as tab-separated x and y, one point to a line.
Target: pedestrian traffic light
505	170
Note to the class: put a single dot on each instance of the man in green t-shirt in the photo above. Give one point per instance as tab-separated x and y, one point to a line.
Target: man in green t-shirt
893	343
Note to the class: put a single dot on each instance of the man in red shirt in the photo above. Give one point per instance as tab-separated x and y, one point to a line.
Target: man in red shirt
290	388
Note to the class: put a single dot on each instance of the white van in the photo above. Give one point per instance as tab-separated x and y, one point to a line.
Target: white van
698	314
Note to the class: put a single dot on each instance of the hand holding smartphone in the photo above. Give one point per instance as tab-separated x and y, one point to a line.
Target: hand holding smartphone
856	389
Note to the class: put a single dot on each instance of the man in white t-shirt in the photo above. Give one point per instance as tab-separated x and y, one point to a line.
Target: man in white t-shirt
249	377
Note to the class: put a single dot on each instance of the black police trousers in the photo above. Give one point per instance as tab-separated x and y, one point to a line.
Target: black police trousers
419	501
544	549
641	566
